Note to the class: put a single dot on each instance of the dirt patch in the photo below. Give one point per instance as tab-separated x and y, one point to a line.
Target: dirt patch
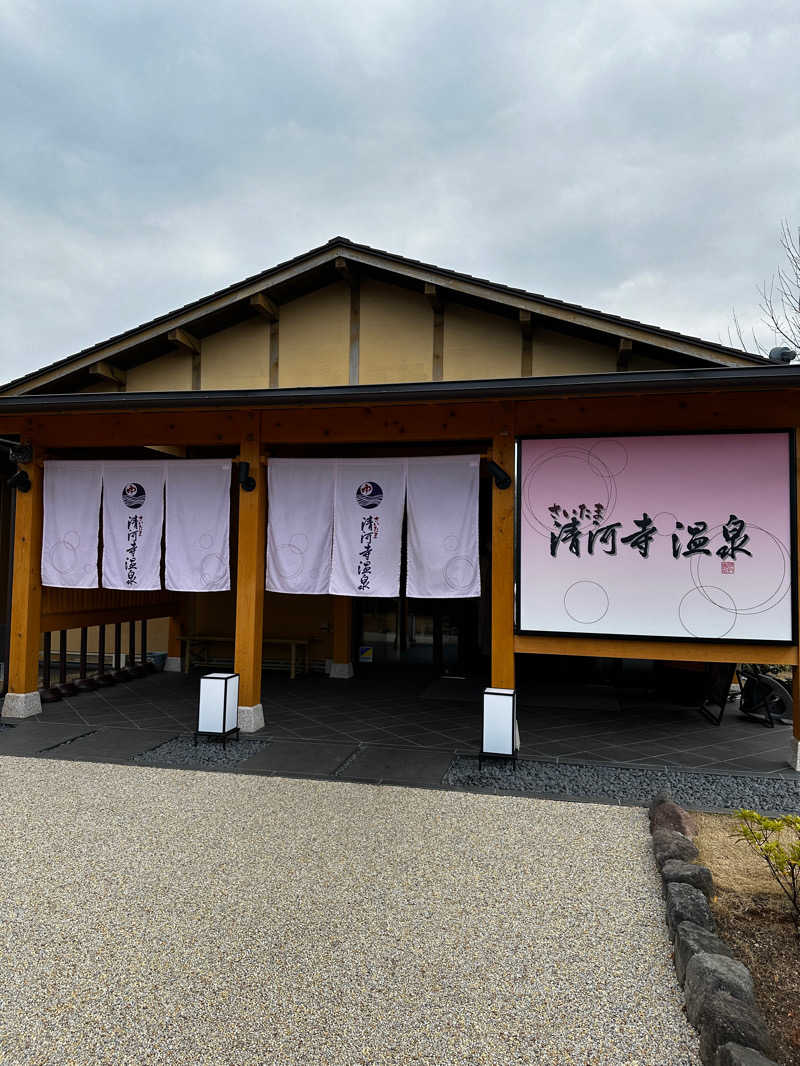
756	920
734	864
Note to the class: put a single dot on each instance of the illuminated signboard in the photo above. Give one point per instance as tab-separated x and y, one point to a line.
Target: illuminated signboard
685	536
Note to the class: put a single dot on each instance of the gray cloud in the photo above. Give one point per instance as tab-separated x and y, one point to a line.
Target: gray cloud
628	157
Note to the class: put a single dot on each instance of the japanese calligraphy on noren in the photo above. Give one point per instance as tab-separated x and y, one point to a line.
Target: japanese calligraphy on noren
135	527
370	528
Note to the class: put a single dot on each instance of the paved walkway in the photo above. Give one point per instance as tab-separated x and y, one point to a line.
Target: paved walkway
158	916
315	723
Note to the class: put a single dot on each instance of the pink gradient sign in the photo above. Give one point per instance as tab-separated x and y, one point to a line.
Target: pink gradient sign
677	536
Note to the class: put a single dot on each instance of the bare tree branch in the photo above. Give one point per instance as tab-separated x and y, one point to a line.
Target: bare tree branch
779	302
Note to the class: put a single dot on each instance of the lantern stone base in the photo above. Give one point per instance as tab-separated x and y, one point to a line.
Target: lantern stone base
794	761
21	704
251	719
342	670
173	665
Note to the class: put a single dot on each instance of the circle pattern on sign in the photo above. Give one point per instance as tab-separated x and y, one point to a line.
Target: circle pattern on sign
590	472
704	616
586	602
765	545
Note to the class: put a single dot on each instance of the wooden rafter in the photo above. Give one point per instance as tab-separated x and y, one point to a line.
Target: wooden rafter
104	371
265	306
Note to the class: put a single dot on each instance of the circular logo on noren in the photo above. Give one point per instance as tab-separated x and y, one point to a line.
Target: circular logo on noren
369	494
133	495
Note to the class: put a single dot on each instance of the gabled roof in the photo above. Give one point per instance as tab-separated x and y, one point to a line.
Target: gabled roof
317	267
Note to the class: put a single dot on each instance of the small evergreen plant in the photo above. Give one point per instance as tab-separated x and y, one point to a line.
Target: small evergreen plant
777	841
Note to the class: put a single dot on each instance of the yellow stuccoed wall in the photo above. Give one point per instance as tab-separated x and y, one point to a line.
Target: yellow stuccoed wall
169	373
314	339
396	335
555	353
396	345
236	358
477	345
157	635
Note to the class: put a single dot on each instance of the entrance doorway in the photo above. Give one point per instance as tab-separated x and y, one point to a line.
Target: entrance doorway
439	637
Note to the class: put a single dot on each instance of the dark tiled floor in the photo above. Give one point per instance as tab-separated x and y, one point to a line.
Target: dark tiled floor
575	723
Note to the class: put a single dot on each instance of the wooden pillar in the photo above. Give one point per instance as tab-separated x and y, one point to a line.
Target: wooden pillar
22	699
250	579
503	566
173	663
341	665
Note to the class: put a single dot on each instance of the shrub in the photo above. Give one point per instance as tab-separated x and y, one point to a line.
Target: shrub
777	841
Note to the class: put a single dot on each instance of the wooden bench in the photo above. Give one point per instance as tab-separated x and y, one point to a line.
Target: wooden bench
201	639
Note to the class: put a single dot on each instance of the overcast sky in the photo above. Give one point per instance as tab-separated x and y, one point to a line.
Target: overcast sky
626	155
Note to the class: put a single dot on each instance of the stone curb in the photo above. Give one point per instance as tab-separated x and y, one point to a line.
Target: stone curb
718	989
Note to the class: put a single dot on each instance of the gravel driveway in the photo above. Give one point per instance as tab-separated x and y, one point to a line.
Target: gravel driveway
165	916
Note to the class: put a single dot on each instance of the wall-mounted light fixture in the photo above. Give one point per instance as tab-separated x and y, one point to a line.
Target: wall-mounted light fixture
18	452
246	481
20	481
501	478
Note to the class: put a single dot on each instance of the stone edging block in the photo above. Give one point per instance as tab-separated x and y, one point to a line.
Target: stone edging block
706	974
687	904
736	1055
691	939
667	844
718	989
688	873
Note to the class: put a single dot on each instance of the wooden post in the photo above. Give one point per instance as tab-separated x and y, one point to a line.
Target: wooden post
23	699
173	663
503	566
526	353
342	666
250	579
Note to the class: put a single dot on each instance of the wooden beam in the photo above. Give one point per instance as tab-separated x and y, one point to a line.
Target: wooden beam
178	451
377	424
104	371
265	306
26	595
663	650
728	411
526	345
184	339
503	564
290	425
122	428
624	349
436	299
187	342
274	356
344	270
355	331
250	578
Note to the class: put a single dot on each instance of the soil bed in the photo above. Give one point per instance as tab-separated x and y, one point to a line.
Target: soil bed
756	920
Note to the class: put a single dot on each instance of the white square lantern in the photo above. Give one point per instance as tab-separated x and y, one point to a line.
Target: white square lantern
218	715
500	733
